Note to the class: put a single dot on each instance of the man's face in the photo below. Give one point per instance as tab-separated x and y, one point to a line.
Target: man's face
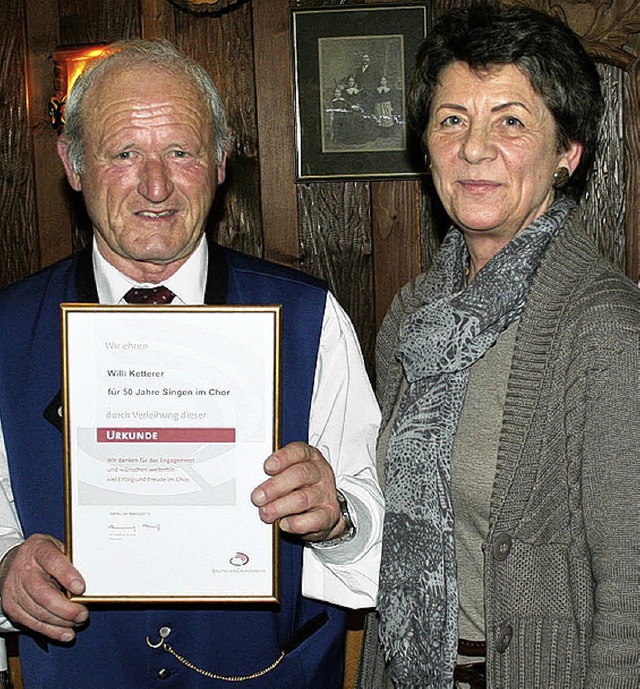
150	172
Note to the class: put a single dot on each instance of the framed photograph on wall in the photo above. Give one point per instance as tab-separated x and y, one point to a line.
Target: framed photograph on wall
352	66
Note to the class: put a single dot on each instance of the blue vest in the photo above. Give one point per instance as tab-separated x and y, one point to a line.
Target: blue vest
111	652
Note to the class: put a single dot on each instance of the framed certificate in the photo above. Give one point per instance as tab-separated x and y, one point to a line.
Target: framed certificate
169	415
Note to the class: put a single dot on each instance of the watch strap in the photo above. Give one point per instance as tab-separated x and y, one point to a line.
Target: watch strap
350	530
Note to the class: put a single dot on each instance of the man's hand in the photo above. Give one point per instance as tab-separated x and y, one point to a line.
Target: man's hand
33	579
301	493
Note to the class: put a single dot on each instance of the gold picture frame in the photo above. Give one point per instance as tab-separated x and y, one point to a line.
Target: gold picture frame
169	414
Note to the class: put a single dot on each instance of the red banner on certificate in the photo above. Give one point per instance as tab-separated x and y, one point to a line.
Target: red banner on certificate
166	435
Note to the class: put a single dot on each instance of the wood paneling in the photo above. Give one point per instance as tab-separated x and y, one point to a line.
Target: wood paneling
18	239
335	226
396	239
107	20
604	202
157	19
52	207
274	90
631	125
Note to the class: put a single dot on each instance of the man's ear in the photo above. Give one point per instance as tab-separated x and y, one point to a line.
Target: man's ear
64	152
222	168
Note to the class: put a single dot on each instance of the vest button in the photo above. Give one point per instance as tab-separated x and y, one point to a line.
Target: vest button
502	546
164	673
505	634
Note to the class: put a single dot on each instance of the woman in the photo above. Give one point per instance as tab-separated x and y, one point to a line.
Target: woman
383	107
508	378
338	114
355	117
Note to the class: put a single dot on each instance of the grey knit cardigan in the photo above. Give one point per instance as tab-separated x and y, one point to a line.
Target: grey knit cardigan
562	557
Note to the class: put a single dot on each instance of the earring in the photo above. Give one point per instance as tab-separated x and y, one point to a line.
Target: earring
560	177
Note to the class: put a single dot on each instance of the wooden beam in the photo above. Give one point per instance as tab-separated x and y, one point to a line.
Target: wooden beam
274	105
396	239
157	19
42	23
631	110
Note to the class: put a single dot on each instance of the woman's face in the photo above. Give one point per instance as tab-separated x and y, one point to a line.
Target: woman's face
493	150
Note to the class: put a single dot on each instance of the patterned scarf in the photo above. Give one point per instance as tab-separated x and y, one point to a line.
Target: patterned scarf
438	343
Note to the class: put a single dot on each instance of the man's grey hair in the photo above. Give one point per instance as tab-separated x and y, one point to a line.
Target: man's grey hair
141	53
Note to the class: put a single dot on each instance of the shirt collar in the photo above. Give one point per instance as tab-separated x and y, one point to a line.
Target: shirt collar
187	283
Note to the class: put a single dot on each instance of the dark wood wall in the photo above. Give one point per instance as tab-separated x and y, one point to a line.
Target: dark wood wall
365	238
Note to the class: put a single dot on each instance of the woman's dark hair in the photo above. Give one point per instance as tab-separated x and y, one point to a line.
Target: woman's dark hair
543	48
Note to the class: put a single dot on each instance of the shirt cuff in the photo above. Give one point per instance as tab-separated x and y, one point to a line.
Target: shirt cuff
347	574
7	544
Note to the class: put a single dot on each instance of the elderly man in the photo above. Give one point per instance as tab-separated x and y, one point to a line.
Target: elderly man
146	143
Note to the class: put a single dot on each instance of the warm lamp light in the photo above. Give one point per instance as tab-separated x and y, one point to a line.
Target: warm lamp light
68	63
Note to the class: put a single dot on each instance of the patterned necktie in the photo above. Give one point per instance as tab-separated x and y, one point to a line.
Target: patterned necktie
149	295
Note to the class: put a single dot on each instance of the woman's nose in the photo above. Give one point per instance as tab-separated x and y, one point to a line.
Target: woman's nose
477	144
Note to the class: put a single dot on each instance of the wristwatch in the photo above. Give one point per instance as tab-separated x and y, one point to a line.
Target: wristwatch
350	531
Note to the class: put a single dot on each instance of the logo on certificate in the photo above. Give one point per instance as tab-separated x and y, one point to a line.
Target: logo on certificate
239	560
